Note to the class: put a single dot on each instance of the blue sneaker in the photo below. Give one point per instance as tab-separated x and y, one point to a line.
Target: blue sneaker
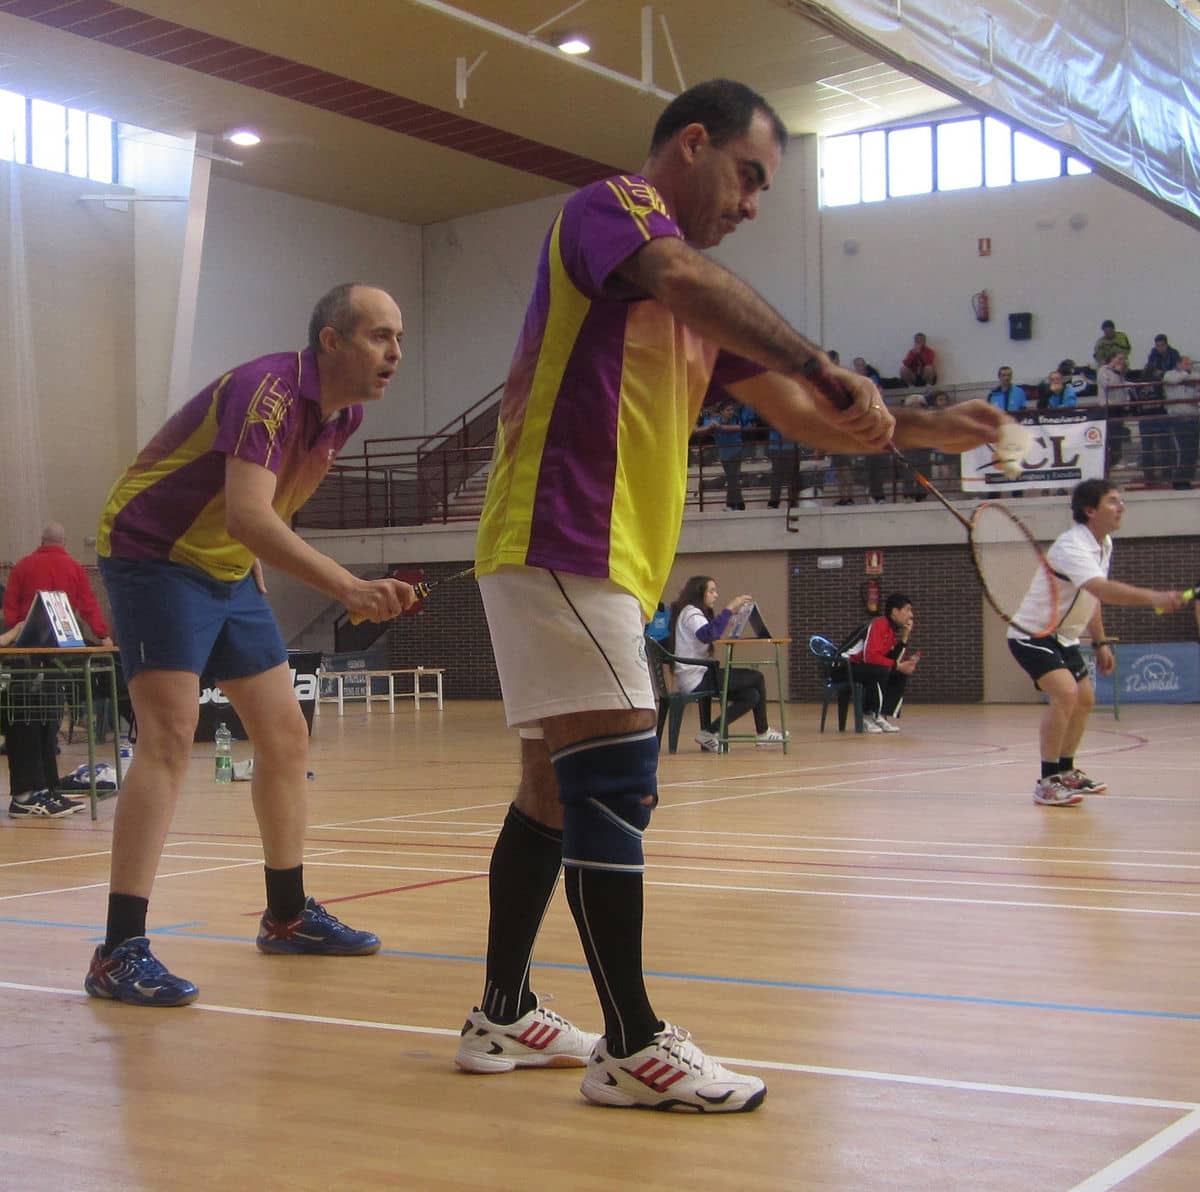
313	932
130	973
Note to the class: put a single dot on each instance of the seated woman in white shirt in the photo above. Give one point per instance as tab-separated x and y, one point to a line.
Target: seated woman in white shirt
694	627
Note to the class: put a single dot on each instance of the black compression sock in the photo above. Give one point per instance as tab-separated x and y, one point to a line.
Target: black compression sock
285	892
608	912
126	920
524	870
1065	764
1049	768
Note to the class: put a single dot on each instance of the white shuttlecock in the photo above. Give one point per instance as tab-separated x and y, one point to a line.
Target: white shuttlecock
1011	447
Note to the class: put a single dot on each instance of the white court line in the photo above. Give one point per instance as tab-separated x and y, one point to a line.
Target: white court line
1141	1156
158	877
342	862
1047	906
411	815
798	850
937	1082
55	859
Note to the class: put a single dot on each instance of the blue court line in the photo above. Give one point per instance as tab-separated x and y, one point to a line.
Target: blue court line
177	929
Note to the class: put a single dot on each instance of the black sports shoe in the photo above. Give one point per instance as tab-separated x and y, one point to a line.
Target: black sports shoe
43	803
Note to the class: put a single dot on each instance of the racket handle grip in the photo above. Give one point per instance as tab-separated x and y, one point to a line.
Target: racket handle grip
826	384
420	591
1187	598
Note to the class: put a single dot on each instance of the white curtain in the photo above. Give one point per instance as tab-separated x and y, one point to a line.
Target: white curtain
1116	80
23	500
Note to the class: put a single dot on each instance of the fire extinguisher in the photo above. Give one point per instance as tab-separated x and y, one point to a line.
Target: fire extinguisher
981	306
872	596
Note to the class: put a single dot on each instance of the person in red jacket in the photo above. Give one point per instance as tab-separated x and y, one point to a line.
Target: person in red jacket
51	569
882	664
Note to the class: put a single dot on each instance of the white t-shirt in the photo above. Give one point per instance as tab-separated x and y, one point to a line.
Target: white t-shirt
688	645
1077	555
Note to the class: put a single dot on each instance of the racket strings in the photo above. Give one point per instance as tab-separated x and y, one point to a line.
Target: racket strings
1012	568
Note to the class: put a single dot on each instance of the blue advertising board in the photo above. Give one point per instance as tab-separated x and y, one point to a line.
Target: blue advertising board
1160	673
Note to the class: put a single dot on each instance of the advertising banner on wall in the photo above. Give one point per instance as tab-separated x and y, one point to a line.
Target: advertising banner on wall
1159	673
1068	446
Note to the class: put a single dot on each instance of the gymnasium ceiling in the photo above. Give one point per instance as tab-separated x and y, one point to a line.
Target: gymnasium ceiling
356	101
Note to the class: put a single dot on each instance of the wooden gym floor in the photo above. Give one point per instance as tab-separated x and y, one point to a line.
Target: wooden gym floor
944	985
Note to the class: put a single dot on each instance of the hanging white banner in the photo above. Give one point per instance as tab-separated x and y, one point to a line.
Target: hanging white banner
1068	446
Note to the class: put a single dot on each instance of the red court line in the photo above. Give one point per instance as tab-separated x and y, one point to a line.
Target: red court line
441	881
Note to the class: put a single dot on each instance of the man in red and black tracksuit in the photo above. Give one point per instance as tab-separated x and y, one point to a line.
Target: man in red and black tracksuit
882	665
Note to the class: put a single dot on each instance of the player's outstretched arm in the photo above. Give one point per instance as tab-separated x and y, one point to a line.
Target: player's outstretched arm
954	429
252	520
800	413
1112	591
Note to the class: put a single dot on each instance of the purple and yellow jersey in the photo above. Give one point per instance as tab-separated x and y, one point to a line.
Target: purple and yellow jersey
170	503
590	468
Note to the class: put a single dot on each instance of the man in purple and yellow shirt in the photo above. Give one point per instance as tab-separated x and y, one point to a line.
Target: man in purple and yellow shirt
180	541
628	331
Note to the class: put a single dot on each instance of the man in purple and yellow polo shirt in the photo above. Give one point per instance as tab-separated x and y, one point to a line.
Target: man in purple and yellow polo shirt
628	331
180	541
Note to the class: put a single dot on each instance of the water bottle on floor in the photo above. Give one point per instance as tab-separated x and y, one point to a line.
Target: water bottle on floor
224	754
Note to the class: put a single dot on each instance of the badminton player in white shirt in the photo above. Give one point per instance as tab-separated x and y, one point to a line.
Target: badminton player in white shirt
1073	599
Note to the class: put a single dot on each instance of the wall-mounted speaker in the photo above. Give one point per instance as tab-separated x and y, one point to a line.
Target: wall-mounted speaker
1020	325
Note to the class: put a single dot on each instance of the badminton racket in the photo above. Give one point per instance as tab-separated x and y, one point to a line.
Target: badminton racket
1007	559
1006	556
421	590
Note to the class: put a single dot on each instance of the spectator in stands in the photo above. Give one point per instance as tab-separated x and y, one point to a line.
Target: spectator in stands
921	458
1181	391
788	468
866	370
919	366
1083	382
1109	378
880	469
726	423
882	664
1111	342
1154	429
51	569
1056	393
1006	395
944	466
1162	359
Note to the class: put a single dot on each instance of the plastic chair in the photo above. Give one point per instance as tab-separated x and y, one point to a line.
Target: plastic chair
837	683
671	703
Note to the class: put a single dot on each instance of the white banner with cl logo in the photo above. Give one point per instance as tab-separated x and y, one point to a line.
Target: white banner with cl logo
1068	446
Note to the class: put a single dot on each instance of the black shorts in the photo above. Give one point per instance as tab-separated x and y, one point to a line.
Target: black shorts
1039	656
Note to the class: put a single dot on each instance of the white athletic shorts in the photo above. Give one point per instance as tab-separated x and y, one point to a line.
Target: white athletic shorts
564	643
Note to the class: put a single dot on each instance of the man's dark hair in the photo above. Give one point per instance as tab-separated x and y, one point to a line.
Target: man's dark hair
1107	324
894	601
335	309
1088	494
724	107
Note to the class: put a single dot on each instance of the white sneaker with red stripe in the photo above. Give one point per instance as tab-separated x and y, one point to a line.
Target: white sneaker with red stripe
541	1039
671	1073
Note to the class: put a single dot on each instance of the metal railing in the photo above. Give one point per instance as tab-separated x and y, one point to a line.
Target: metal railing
406	482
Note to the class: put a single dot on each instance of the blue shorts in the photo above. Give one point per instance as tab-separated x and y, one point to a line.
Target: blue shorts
170	617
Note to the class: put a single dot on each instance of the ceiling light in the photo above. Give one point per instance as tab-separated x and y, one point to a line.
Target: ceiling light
244	137
571	44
